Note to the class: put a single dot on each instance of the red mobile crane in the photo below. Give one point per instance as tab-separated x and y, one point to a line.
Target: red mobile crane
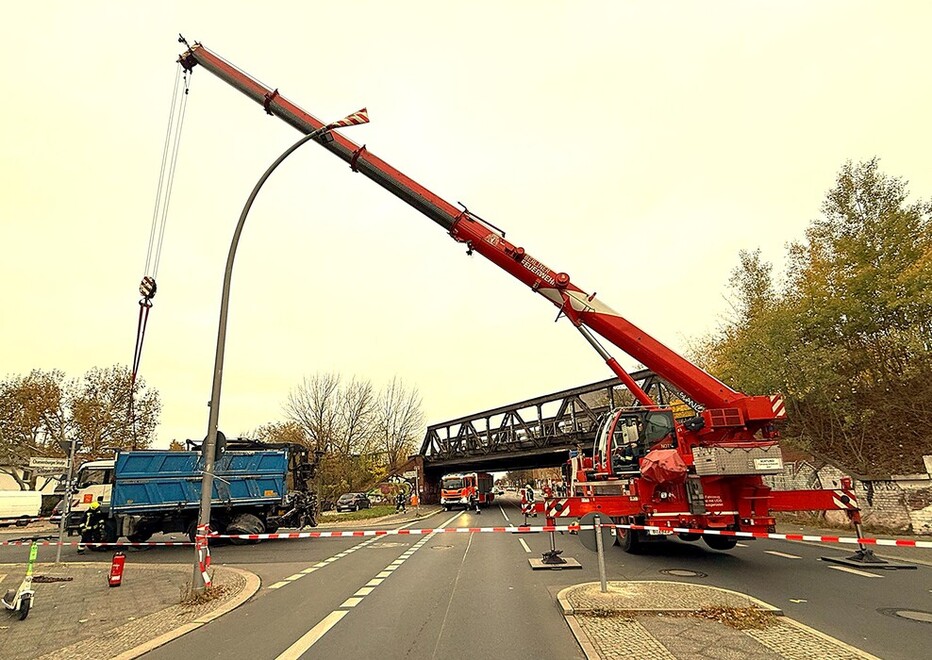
647	468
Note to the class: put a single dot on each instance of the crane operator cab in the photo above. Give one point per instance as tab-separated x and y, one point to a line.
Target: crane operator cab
627	434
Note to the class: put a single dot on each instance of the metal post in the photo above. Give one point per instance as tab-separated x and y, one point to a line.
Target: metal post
66	510
597	524
210	442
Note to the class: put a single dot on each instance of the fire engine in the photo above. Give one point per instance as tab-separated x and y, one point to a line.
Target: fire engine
646	467
466	489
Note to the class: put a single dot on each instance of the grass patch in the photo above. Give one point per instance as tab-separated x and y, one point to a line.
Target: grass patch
376	511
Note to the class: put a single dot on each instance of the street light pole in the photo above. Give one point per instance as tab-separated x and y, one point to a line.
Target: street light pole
210	442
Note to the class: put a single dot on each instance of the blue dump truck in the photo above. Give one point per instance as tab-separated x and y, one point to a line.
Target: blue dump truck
145	492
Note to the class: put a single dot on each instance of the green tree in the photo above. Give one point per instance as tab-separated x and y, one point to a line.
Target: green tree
848	336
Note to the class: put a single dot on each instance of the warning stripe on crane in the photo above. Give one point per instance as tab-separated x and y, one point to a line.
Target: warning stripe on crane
844	499
778	406
558	508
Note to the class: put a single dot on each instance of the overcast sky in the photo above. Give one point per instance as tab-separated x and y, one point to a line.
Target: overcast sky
637	146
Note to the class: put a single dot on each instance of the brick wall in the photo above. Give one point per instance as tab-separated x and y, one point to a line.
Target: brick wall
900	503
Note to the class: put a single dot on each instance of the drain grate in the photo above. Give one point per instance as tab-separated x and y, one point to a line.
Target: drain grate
683	572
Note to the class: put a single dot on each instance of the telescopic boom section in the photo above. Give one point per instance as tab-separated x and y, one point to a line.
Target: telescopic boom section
580	307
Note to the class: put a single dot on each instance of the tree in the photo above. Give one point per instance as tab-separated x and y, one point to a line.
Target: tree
398	421
99	404
848	336
32	420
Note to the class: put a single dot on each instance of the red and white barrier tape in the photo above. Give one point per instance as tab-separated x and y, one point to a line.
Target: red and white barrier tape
402	532
904	543
203	552
115	544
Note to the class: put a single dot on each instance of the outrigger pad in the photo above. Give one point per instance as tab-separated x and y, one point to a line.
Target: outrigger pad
540	564
867	559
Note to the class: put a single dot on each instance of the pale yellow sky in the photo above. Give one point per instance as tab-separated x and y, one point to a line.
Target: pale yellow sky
636	146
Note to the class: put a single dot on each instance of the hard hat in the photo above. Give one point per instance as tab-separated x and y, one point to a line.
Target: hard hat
95	505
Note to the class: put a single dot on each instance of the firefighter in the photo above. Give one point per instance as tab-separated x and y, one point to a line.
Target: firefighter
400	502
529	498
92	529
474	503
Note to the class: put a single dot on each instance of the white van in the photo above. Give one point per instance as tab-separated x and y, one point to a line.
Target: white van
19	506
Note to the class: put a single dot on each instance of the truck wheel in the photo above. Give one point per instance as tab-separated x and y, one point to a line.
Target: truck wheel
245	523
687	536
629	540
140	536
719	542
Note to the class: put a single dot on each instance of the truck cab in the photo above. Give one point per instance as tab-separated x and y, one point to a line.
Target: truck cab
93	483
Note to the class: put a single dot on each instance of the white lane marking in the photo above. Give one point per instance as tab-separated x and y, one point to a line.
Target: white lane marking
503	513
320	564
374	582
855	571
521	541
741	545
309	638
782	554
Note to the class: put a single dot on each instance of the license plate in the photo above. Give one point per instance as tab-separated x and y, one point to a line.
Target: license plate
659	532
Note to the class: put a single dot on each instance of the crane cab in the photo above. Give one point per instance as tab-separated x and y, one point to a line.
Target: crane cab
625	435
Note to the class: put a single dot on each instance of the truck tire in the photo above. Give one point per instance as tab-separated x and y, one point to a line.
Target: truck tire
629	541
689	536
717	542
245	523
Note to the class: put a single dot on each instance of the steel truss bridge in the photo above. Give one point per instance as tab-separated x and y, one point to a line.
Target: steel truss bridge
537	432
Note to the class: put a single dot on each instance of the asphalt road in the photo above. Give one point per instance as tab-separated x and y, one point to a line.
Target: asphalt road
473	594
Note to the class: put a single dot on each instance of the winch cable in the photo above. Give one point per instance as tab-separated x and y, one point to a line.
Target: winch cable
147	287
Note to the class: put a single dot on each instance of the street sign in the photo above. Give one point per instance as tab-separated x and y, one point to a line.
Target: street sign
48	463
410	474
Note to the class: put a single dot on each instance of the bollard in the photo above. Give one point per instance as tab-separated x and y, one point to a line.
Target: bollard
597	527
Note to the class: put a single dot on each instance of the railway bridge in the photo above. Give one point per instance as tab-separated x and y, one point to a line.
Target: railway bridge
534	433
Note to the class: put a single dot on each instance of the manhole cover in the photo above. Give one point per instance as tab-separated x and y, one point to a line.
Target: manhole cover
912	615
440	547
683	572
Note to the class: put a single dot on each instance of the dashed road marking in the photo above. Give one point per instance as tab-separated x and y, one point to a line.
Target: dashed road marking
782	554
329	560
523	543
311	637
503	513
741	545
855	571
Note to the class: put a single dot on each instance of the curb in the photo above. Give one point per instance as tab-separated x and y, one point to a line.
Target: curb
252	586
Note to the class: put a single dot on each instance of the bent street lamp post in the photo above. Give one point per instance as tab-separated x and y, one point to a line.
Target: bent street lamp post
210	442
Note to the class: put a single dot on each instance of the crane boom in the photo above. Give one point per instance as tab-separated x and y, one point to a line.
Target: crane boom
583	309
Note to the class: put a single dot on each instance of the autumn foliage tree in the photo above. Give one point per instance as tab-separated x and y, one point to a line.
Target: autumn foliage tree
39	410
847	336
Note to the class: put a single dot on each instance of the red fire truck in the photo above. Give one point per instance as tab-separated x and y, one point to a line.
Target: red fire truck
645	467
466	489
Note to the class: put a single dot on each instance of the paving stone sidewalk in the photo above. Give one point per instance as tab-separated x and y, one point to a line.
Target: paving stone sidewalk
668	620
82	618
